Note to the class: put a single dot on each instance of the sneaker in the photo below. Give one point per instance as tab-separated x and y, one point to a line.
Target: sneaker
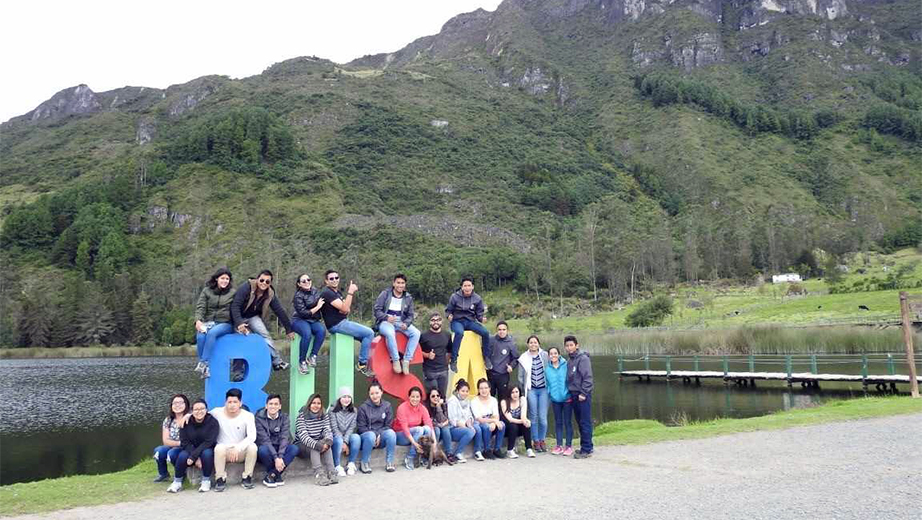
390	468
500	453
478	456
557	450
488	454
269	481
488	364
205	487
175	487
247	482
283	365
396	366
453	366
321	479
582	454
364	468
279	480
451	458
408	463
332	477
206	373
350	469
567	452
405	366
364	369
312	360
511	454
199	367
460	458
161	478
220	485
304	368
340	471
530	452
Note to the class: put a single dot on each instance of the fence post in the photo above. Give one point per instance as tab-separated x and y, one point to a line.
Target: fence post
752	363
891	367
668	366
646	362
813	364
620	364
726	366
864	366
907	339
697	364
788	366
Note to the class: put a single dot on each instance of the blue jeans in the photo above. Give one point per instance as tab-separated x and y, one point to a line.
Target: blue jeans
537	412
389	330
308	329
264	456
355	445
388	441
359	332
204	343
207	458
582	410
563	421
486	440
458	326
416	432
164	454
463	436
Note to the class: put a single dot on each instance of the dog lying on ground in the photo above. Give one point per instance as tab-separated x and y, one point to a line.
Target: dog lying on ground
432	452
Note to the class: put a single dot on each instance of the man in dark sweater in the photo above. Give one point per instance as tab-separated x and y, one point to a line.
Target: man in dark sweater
465	310
251	302
505	357
434	344
579	384
273	441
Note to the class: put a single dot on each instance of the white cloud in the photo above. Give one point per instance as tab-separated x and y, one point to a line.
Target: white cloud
51	45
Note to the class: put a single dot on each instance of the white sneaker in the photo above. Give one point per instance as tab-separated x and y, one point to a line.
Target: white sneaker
478	455
175	487
530	452
205	487
350	469
461	458
511	454
340	472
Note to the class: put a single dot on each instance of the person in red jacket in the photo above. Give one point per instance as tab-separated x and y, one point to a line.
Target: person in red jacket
412	421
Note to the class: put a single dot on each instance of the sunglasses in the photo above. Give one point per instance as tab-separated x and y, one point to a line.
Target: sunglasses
265	280
305	280
333	278
435	319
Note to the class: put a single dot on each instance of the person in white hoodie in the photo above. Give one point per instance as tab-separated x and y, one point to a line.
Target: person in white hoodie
533	380
461	419
236	440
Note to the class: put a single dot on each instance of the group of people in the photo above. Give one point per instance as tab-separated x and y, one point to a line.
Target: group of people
334	438
221	310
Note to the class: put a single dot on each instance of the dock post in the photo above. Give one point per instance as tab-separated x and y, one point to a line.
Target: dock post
646	362
907	339
697	364
620	363
788	367
726	366
813	364
891	368
668	367
752	363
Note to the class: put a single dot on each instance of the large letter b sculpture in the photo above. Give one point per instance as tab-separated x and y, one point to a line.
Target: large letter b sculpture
251	349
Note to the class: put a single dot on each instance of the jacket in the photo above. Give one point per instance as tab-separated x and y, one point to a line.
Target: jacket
579	378
303	302
465	307
244	297
459	411
525	369
373	417
383	302
504	353
215	307
197	437
313	428
273	433
557	381
342	423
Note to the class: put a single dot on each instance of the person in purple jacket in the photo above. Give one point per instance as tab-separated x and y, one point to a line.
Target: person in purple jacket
579	383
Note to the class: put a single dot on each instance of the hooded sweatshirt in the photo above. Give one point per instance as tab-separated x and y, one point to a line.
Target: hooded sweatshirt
579	378
273	433
196	437
504	354
465	307
373	417
342	422
557	381
459	411
313	427
383	304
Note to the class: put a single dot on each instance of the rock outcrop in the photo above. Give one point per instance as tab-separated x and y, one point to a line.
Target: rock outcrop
70	101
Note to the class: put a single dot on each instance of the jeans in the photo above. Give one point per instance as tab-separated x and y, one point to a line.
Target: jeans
359	332
499	384
389	330
416	432
207	458
463	436
204	343
307	329
436	380
164	454
514	430
458	326
355	445
256	325
537	412
563	421
487	440
582	410
268	461
388	441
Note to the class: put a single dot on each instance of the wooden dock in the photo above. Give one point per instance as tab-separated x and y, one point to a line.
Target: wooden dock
806	379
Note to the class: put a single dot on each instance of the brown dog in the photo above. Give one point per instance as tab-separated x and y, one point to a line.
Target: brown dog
432	452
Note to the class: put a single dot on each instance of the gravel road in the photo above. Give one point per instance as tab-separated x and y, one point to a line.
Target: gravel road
858	469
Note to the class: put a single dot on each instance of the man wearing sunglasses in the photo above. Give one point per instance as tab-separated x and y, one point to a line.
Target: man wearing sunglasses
334	312
252	301
435	344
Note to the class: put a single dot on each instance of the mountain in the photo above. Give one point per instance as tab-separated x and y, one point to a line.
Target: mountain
579	148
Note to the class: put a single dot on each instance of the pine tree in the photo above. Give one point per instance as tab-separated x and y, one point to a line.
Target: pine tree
84	259
141	325
95	321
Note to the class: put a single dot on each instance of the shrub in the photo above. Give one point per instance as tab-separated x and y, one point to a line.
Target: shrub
650	313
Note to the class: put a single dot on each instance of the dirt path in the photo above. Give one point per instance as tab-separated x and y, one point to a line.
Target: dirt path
858	469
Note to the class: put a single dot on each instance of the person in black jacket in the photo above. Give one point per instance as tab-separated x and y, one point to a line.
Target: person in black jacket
197	439
307	304
273	441
251	301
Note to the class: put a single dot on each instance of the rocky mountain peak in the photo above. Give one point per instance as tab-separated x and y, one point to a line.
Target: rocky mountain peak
70	101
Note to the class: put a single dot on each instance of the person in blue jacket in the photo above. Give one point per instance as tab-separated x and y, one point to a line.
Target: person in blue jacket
560	400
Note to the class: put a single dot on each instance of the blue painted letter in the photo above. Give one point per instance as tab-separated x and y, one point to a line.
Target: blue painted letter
250	348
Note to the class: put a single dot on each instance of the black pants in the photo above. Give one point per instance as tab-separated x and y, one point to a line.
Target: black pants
513	431
499	384
436	380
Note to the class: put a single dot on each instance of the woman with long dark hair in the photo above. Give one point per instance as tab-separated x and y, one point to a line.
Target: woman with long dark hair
316	440
213	316
533	383
345	441
306	322
169	434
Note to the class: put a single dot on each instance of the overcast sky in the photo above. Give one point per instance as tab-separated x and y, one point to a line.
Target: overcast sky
51	45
